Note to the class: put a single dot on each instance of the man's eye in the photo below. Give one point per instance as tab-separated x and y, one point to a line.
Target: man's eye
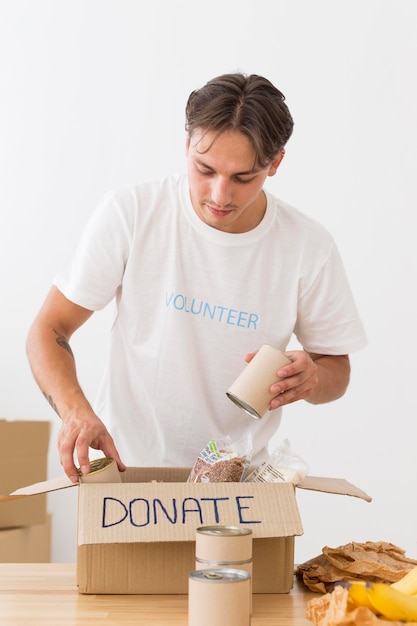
244	181
205	172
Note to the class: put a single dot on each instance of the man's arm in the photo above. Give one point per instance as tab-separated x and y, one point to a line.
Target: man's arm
317	378
54	369
333	374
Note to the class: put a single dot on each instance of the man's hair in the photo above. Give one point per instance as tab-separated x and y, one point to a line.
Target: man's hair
248	104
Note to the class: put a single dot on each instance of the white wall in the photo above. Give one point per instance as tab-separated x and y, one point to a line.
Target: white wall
92	95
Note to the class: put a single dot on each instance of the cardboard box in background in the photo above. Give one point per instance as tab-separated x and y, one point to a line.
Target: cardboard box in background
138	536
23	460
28	544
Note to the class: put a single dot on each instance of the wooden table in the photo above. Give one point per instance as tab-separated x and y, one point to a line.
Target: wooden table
38	594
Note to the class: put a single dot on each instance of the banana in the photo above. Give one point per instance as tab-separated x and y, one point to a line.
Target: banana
408	583
391	603
358	594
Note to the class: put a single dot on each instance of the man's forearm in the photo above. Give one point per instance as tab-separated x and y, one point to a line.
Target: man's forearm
53	367
333	374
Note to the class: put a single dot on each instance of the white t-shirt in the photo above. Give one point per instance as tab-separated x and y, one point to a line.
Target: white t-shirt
191	301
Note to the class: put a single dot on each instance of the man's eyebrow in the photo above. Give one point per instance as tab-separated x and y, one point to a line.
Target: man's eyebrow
208	167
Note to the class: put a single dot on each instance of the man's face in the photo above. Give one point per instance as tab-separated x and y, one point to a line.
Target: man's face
226	190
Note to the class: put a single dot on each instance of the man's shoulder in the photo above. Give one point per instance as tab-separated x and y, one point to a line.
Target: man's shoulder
142	196
151	187
296	220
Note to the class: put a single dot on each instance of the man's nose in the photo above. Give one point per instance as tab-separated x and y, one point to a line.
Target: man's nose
221	192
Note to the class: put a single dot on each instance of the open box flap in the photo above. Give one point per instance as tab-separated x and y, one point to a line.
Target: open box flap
333	485
54	484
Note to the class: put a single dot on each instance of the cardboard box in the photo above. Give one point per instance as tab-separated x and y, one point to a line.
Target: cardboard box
28	544
136	530
23	460
138	536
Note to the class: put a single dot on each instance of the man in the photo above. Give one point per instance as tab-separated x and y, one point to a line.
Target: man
205	268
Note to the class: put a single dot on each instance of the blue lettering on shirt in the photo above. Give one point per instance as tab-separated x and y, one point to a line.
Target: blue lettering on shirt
216	312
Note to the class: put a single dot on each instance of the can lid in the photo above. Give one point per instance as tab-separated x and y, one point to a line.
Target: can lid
243	405
220	575
97	465
224	531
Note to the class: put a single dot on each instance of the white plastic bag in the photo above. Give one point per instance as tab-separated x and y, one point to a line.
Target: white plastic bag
282	466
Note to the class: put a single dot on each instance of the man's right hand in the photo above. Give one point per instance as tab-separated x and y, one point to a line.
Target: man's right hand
76	436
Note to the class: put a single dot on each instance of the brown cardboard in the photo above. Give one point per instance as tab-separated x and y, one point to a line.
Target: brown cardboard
28	544
139	536
23	460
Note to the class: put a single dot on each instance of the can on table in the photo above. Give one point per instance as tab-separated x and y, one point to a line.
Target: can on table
224	546
219	596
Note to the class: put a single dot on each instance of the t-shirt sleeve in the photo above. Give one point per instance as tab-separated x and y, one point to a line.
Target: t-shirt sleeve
93	272
329	322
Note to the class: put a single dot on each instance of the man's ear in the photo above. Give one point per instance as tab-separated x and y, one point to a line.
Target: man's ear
276	162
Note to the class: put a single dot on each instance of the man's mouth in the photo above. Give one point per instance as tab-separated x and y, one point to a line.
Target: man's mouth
218	212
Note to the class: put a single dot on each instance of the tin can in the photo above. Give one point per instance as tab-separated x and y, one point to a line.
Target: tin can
224	546
102	470
250	390
219	596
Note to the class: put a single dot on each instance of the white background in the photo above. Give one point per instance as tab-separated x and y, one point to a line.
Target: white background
92	96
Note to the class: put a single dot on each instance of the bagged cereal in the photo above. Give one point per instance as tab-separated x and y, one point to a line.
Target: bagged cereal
222	461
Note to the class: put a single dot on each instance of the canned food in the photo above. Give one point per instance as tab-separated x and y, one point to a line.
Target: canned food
250	390
219	596
225	544
102	470
224	547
